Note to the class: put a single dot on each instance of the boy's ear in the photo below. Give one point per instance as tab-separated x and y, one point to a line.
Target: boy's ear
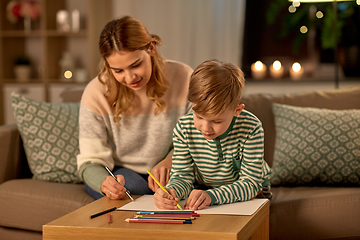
238	109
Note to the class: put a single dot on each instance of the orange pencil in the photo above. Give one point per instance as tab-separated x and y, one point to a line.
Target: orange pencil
109	218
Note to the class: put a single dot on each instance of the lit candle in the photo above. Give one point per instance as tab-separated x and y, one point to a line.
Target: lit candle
296	71
276	70
258	70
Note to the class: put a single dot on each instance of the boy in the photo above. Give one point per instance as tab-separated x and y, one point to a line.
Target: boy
219	146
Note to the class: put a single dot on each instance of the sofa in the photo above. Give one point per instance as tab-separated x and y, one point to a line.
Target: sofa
301	207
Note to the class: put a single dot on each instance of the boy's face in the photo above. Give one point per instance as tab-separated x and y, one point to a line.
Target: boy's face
212	127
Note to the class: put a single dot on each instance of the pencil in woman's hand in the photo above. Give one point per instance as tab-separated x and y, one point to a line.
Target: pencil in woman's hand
111	174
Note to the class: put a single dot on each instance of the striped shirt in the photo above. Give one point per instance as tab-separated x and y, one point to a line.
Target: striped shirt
231	166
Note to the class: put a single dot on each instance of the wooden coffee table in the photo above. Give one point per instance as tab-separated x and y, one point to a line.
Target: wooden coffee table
77	225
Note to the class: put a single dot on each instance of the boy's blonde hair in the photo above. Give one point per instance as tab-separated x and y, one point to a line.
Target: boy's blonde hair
215	86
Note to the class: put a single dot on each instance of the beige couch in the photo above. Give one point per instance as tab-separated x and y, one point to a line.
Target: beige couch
296	212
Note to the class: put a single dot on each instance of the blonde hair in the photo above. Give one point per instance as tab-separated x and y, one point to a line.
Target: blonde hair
128	34
215	86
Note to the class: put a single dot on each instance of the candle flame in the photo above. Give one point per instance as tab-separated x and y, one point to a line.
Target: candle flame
277	65
296	67
259	65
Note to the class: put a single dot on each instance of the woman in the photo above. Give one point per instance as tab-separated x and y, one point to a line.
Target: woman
128	112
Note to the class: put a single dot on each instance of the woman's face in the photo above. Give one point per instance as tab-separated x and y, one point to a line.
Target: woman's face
132	69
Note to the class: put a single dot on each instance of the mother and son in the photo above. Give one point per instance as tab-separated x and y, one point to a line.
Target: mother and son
188	127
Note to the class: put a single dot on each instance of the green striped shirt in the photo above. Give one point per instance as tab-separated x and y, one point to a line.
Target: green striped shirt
231	165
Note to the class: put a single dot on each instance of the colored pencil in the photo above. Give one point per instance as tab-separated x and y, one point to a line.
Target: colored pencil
156	217
103	212
111	174
167	212
167	221
109	218
161	186
169	215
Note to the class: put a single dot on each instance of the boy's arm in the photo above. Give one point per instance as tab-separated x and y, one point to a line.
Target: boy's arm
251	173
181	175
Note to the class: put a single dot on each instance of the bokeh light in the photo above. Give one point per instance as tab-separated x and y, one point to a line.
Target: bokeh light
303	29
259	65
296	3
276	64
319	14
68	74
296	67
292	9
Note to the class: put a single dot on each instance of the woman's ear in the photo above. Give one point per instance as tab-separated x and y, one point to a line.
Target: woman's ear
151	49
238	109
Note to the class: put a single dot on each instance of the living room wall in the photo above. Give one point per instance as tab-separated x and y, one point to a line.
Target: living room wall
192	31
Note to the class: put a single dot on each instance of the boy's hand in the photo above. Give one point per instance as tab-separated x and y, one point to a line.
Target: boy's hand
198	200
165	201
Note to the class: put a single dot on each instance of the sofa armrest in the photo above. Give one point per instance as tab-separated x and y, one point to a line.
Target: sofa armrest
13	163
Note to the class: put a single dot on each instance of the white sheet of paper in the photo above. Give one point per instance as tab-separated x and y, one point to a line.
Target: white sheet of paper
146	203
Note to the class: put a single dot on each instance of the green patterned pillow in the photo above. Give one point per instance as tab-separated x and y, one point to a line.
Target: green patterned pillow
316	146
50	133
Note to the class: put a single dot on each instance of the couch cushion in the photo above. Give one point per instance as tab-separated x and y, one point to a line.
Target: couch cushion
316	146
29	203
314	213
50	133
18	234
261	106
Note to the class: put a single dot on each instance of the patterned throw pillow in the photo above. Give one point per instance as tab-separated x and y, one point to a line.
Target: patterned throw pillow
316	146
50	134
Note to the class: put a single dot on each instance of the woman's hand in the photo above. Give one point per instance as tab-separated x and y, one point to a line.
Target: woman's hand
165	201
198	199
114	189
161	172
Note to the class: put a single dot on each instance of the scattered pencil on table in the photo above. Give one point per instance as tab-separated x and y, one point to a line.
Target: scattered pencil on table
161	186
164	217
111	174
109	218
103	212
169	215
164	221
168	212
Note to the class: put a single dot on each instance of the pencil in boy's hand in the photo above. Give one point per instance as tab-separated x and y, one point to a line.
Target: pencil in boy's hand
111	174
158	183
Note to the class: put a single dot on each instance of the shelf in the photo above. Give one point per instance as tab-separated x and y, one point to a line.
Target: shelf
15	81
56	33
45	45
21	33
281	87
